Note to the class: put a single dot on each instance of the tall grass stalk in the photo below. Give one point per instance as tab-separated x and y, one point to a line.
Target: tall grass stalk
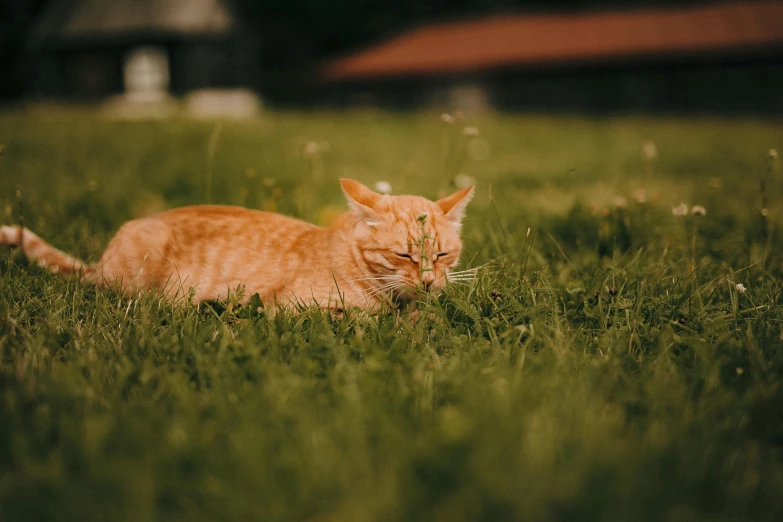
212	144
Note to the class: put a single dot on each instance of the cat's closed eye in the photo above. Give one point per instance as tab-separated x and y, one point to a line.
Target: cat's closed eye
434	258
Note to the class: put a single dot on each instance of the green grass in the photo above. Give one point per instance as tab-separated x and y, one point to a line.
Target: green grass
603	367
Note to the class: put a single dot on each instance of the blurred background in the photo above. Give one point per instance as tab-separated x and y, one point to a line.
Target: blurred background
231	57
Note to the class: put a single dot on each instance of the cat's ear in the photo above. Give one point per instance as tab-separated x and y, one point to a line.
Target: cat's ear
361	199
453	206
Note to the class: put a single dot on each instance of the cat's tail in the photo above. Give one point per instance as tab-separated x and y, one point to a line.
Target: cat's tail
38	250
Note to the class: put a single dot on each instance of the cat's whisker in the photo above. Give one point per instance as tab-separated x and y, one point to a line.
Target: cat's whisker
474	269
467	271
385	285
385	289
465	277
392	281
462	277
376	278
463	274
377	293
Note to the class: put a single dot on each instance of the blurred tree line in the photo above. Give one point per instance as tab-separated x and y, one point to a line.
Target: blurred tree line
298	33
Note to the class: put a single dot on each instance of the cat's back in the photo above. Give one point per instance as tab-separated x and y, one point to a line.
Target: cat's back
223	221
212	247
205	229
215	216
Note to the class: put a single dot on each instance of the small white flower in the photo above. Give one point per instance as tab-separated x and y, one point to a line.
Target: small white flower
649	150
698	210
463	180
740	288
384	187
680	210
773	154
447	118
764	212
619	202
470	132
311	149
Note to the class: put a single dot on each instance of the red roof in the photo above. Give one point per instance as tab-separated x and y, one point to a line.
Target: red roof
518	40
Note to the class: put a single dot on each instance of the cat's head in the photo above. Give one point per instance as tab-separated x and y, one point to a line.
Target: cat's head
406	243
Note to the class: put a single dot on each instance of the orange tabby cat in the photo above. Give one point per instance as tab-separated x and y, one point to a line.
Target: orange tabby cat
386	247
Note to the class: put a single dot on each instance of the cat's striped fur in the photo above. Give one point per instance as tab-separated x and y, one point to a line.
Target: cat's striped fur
385	247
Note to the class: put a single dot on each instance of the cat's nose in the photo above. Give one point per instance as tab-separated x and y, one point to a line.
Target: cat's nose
426	280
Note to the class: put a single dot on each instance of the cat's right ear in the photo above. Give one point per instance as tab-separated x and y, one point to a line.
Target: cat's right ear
454	206
361	199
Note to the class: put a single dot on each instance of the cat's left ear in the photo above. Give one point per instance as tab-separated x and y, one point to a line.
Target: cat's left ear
361	199
454	206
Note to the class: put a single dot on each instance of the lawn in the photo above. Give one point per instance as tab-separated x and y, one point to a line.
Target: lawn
611	361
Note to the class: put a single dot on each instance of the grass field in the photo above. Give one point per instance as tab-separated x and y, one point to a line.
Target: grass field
605	365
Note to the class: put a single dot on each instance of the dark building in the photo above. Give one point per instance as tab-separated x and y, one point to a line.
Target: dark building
719	58
146	48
